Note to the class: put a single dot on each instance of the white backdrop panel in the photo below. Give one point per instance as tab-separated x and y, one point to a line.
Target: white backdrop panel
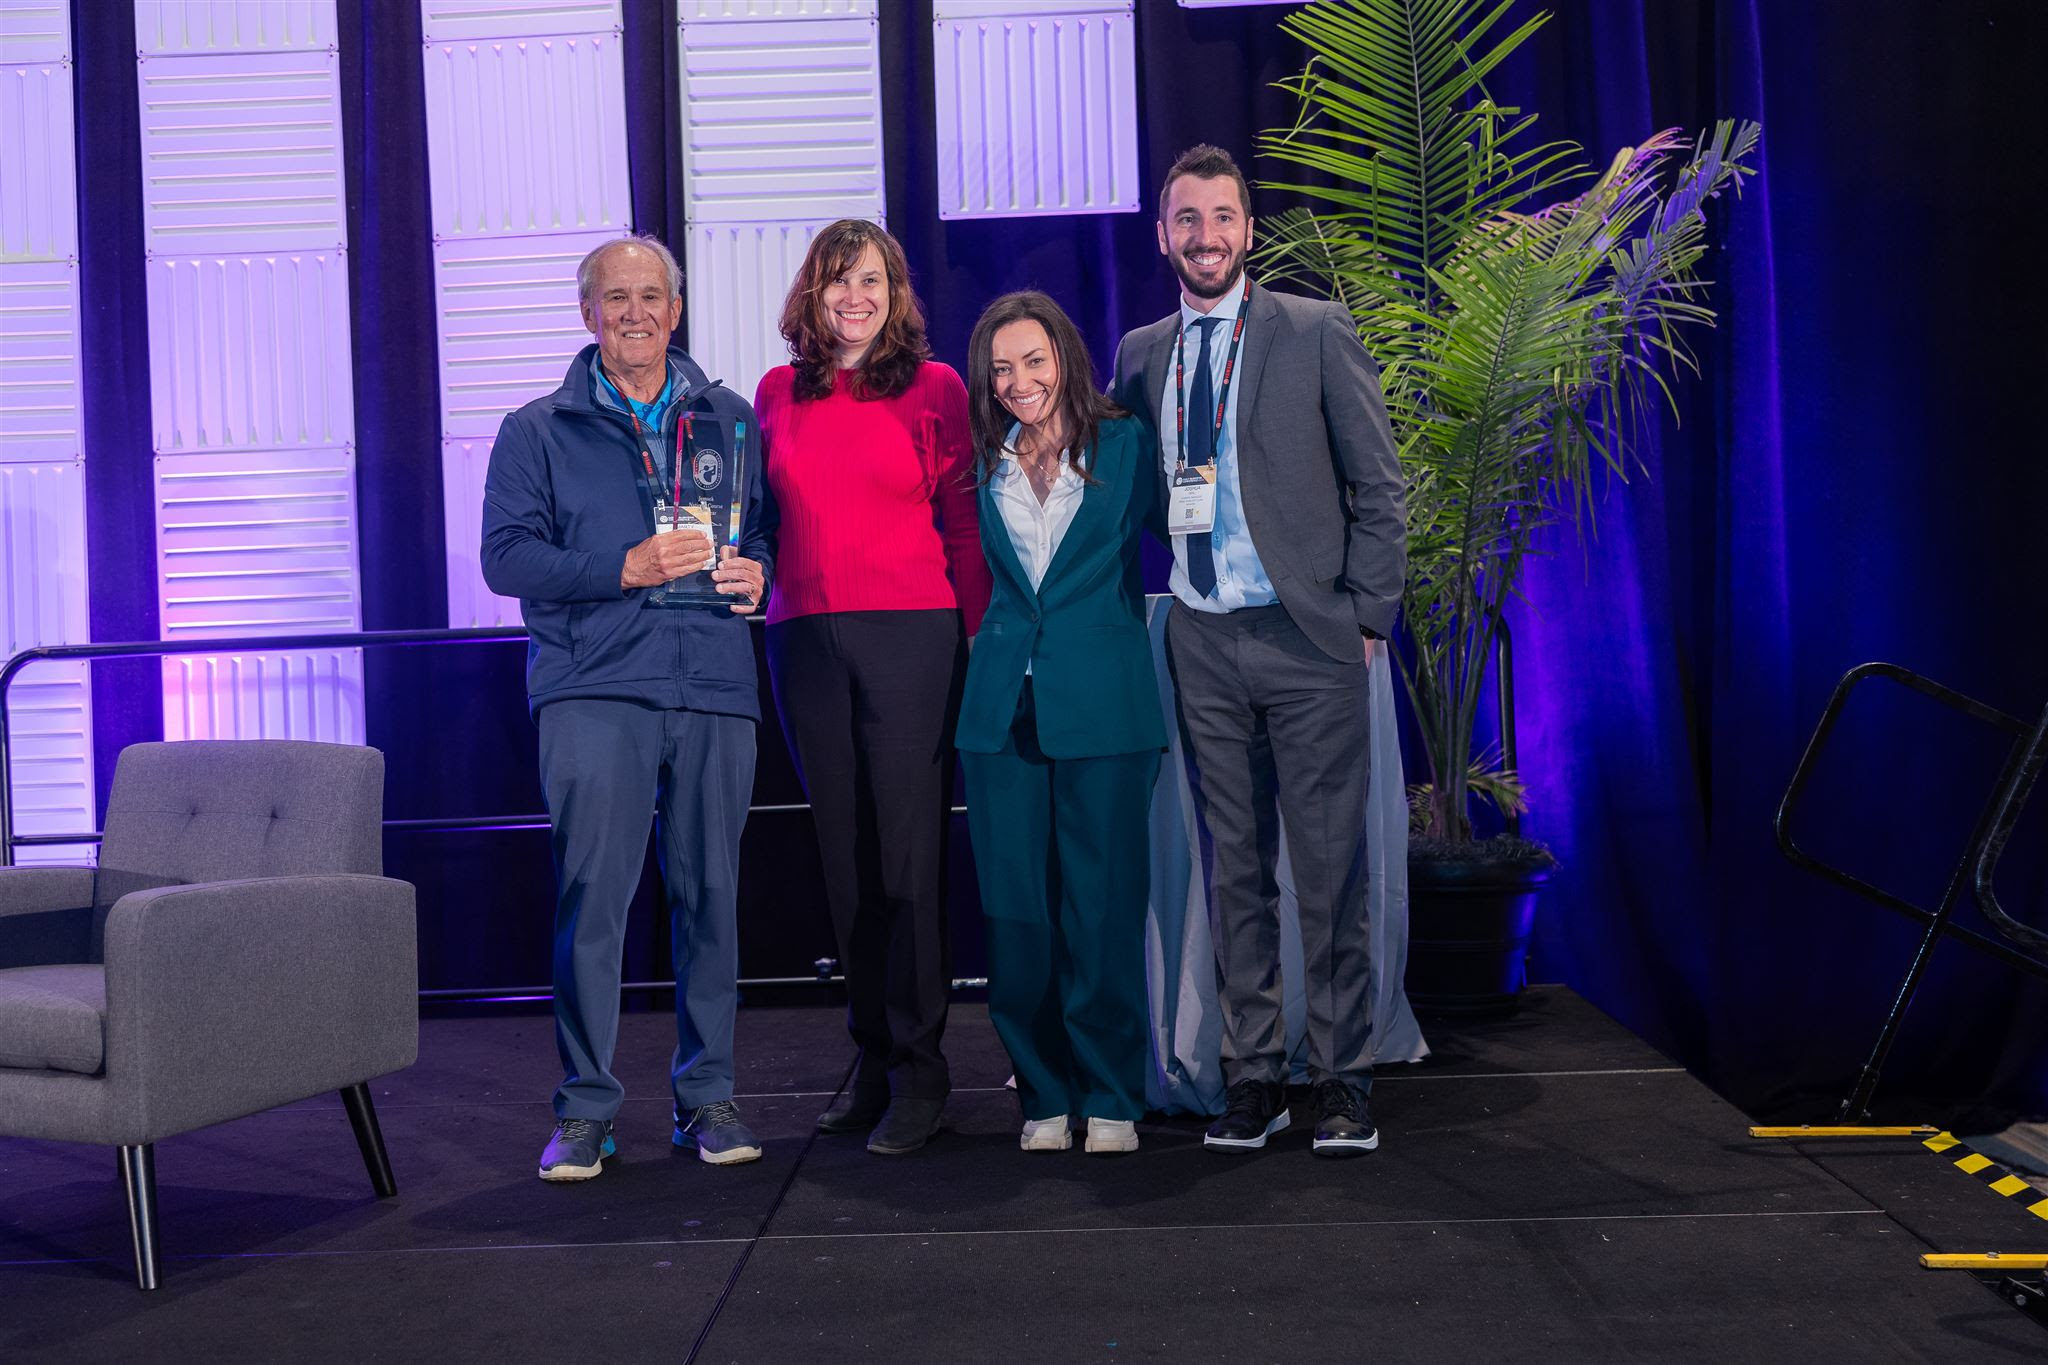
739	275
470	601
781	121
38	198
453	20
35	30
303	695
509	324
249	351
1037	112
43	602
39	371
691	11
527	136
257	542
178	26
241	151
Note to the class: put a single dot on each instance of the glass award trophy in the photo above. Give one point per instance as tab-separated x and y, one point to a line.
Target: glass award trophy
708	496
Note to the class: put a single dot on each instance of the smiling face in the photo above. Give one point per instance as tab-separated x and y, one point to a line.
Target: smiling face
1026	372
1204	236
856	305
632	312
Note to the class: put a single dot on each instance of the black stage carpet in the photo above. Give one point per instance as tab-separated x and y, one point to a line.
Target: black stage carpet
1547	1188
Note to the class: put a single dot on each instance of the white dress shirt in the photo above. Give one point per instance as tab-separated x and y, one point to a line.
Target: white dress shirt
1241	580
1035	528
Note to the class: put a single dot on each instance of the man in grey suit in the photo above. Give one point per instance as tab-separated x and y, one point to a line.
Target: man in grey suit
1285	512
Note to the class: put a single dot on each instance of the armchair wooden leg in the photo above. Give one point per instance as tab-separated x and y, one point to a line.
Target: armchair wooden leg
138	1175
362	1116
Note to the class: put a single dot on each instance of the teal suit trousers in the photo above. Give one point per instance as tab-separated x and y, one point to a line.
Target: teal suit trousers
1063	858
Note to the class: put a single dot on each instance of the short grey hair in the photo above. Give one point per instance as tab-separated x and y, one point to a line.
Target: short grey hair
586	272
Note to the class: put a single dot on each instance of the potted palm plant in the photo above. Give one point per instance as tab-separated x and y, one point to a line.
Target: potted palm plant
1527	313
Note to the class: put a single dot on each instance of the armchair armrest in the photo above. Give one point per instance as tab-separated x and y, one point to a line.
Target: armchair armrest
45	915
226	998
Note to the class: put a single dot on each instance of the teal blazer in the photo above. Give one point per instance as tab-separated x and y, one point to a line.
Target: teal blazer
1083	632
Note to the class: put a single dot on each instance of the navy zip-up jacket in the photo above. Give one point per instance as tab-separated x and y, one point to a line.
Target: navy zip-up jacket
566	497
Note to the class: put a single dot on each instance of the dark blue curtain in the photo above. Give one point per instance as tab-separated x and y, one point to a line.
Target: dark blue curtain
1852	475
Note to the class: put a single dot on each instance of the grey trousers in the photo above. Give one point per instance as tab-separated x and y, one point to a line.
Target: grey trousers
606	768
1276	730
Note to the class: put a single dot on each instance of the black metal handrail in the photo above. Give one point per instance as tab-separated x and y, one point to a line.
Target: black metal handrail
1976	868
139	649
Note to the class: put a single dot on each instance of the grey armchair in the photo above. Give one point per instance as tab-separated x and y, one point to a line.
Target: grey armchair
237	948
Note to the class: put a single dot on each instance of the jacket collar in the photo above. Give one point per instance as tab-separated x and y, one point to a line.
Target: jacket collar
581	392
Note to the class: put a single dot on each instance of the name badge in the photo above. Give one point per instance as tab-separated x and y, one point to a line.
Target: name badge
1191	504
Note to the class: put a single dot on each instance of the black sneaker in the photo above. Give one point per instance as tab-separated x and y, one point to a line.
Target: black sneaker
1343	1124
717	1131
1255	1110
577	1150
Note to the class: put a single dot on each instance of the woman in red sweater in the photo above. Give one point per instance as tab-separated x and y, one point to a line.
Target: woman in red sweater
879	584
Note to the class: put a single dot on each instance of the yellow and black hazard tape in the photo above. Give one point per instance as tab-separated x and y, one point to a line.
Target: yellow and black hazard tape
1990	1172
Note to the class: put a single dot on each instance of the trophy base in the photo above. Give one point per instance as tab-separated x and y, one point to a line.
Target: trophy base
697	591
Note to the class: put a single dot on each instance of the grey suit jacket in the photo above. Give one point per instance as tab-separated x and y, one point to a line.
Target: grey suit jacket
1322	486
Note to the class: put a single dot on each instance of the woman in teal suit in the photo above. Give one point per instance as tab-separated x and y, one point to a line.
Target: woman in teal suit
1060	728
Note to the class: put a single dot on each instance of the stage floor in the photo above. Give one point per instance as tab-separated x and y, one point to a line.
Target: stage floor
1547	1188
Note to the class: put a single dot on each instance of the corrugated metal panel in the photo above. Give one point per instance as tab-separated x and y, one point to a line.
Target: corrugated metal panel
241	152
304	695
1231	4
35	31
39	373
781	123
181	26
1024	9
509	324
527	136
739	276
1037	114
470	600
696	11
38	195
256	542
455	20
249	351
43	602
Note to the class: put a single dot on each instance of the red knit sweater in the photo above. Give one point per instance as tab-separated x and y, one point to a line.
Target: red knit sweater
877	498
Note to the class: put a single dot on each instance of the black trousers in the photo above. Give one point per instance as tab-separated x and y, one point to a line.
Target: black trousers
868	700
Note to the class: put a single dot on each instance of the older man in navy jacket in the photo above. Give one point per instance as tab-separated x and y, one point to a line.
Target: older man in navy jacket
641	709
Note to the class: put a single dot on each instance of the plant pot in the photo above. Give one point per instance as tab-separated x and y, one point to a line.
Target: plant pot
1468	934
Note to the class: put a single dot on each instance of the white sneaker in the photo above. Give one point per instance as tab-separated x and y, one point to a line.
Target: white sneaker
1107	1137
1046	1135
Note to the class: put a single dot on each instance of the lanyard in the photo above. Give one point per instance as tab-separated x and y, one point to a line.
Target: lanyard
1180	393
683	431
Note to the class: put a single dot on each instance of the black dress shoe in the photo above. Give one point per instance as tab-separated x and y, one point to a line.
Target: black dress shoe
907	1126
856	1110
1255	1110
1343	1124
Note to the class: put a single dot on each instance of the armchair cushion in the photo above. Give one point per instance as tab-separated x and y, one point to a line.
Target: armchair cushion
53	1018
46	915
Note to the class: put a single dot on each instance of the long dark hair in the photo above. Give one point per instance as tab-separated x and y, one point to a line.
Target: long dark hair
891	363
1082	407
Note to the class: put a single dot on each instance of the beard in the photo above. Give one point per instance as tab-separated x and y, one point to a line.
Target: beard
1233	270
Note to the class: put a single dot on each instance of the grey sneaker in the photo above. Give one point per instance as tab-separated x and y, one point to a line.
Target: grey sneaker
719	1134
577	1150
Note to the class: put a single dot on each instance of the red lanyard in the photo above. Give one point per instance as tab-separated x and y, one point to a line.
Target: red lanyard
684	429
1180	393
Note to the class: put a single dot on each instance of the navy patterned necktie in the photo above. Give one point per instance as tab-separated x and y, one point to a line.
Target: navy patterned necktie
1201	451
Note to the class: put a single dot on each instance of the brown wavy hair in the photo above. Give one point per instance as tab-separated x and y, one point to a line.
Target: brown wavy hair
891	363
1082	407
